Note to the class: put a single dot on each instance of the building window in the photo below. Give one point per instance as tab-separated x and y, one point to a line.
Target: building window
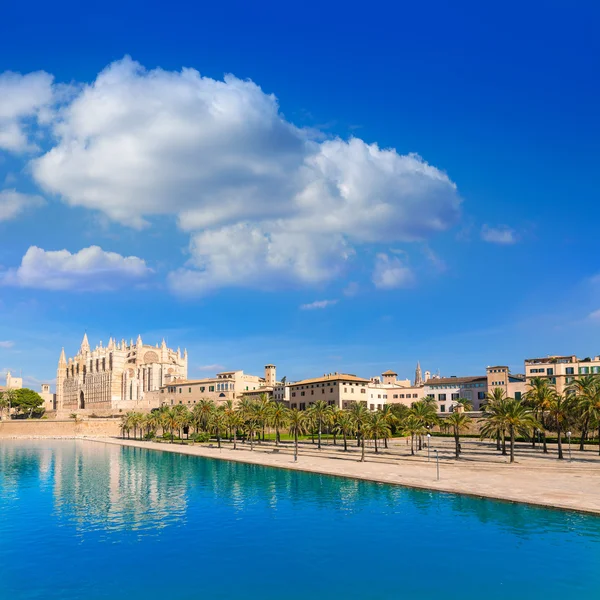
202	388
455	396
345	390
442	397
293	396
584	370
372	407
302	405
517	395
570	371
363	391
211	388
352	390
189	390
550	372
395	396
442	408
302	393
481	395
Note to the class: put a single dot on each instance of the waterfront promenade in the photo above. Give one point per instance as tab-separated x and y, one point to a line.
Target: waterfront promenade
535	479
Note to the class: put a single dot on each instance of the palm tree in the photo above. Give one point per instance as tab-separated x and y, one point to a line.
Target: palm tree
425	412
218	423
344	424
559	411
172	419
539	396
126	424
457	421
586	390
297	426
361	417
492	408
203	411
3	404
10	396
518	418
277	418
390	418
262	408
379	428
413	426
319	412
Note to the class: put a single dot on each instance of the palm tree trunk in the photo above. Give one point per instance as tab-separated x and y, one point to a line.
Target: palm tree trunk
412	444
584	431
251	440
456	444
218	438
512	444
319	446
345	442
498	441
295	445
376	449
560	451
544	441
503	443
277	436
362	456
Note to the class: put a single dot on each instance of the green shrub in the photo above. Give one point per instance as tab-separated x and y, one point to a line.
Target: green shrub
201	437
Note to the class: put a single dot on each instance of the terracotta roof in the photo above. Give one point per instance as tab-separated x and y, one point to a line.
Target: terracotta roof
455	380
390	372
331	377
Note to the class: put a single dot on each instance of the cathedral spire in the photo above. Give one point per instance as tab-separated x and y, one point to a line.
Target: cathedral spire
138	341
63	359
85	345
418	375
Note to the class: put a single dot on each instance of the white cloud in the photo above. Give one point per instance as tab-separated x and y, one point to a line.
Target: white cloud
391	272
594	315
89	269
6	344
13	203
23	98
265	203
318	304
498	235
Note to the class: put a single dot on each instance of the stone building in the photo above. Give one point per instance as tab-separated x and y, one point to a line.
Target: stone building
226	385
117	376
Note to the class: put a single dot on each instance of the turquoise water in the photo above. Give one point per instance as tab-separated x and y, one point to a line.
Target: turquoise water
86	520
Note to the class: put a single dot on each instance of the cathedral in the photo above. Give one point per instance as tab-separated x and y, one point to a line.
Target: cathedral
116	376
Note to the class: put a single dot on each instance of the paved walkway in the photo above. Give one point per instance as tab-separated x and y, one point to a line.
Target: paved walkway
536	479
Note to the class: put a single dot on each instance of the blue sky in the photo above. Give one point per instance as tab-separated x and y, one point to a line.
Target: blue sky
374	184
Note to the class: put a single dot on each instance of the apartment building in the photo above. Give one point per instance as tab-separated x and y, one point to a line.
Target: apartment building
227	385
447	391
337	389
561	370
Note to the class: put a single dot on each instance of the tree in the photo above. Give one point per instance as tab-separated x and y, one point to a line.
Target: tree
277	418
539	396
319	412
202	413
361	418
457	421
218	423
297	426
518	418
344	424
492	415
586	391
390	418
559	411
425	412
414	427
26	400
3	404
379	428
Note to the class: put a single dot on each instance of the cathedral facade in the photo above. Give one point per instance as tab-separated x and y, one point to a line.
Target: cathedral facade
116	376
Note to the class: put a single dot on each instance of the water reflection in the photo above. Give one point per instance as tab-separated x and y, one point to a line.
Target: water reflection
99	487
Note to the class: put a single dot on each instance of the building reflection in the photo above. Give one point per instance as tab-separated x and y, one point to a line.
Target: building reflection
108	488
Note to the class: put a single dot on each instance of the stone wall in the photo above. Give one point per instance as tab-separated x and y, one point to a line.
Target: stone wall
59	428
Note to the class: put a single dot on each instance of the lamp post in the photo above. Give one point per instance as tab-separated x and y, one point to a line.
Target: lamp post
428	445
437	459
569	438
